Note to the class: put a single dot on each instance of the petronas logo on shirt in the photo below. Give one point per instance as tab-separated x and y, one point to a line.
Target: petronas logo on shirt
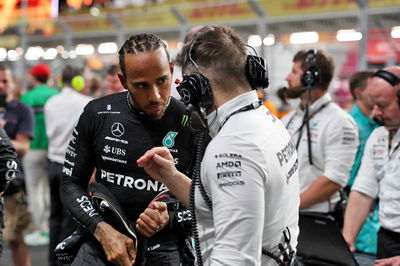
169	139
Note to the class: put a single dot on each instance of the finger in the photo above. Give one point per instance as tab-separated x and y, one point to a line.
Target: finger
150	153
130	248
144	229
161	206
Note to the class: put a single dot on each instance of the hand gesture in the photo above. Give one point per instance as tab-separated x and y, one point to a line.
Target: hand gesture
158	163
119	249
393	261
153	219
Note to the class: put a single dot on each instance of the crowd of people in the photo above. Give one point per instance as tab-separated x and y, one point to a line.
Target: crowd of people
215	175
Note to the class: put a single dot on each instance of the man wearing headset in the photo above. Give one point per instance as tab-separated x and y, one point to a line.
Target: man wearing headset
325	136
112	133
380	170
246	197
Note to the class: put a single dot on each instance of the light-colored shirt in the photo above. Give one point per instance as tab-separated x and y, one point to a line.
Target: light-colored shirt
334	143
250	173
61	115
379	174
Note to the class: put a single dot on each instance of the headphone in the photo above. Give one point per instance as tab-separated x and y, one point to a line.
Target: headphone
390	78
311	75
195	88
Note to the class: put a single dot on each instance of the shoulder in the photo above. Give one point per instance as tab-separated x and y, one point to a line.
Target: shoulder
337	115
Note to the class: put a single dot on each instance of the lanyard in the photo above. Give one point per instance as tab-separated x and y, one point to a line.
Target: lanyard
306	120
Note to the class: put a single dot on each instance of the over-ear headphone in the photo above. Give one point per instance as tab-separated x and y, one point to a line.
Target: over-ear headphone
257	72
390	78
195	88
311	75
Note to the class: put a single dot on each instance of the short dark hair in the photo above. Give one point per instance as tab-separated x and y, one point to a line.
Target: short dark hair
140	43
113	70
68	73
220	51
359	80
323	62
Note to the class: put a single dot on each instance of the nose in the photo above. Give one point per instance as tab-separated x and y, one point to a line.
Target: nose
154	94
376	111
288	77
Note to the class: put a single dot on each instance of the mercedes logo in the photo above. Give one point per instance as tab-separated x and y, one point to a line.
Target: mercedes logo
117	129
185	94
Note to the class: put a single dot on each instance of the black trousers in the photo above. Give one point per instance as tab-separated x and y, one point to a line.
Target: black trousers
61	223
91	254
388	243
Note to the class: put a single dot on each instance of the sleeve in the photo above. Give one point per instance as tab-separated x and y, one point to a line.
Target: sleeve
236	183
340	149
78	167
8	160
366	181
26	124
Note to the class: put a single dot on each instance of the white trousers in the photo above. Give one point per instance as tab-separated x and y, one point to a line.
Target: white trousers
37	187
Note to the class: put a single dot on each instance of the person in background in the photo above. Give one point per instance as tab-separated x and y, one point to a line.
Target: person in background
61	112
285	106
35	161
362	107
379	171
18	123
113	83
324	135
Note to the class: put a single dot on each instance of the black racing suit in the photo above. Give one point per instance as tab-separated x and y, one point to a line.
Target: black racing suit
110	136
8	167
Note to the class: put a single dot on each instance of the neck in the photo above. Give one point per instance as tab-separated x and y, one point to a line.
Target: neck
363	108
309	97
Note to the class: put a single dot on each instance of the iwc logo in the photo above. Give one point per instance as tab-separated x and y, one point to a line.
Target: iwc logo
169	139
117	129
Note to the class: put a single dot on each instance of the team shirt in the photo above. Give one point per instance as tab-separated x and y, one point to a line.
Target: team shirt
334	143
379	174
249	171
110	136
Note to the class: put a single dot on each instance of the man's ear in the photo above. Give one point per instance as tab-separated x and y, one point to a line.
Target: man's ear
171	68
122	79
357	93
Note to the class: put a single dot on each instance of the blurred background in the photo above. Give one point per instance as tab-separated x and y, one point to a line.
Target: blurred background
360	34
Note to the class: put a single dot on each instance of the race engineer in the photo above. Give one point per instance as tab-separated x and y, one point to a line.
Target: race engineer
112	133
380	170
246	196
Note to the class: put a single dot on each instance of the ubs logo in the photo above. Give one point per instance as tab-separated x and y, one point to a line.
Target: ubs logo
117	129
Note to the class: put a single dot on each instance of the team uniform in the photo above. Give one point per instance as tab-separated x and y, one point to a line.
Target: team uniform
378	176
110	136
249	172
8	167
334	143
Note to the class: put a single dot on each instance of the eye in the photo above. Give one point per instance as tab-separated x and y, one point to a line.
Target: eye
161	80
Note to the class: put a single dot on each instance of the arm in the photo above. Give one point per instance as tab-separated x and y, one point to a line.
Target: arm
78	168
8	161
320	190
357	211
21	144
392	261
159	164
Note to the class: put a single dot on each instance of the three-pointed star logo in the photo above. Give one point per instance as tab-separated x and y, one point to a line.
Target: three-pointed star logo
185	95
117	129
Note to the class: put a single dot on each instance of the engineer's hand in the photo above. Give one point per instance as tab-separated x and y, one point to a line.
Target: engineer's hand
158	163
153	219
350	242
393	261
119	249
